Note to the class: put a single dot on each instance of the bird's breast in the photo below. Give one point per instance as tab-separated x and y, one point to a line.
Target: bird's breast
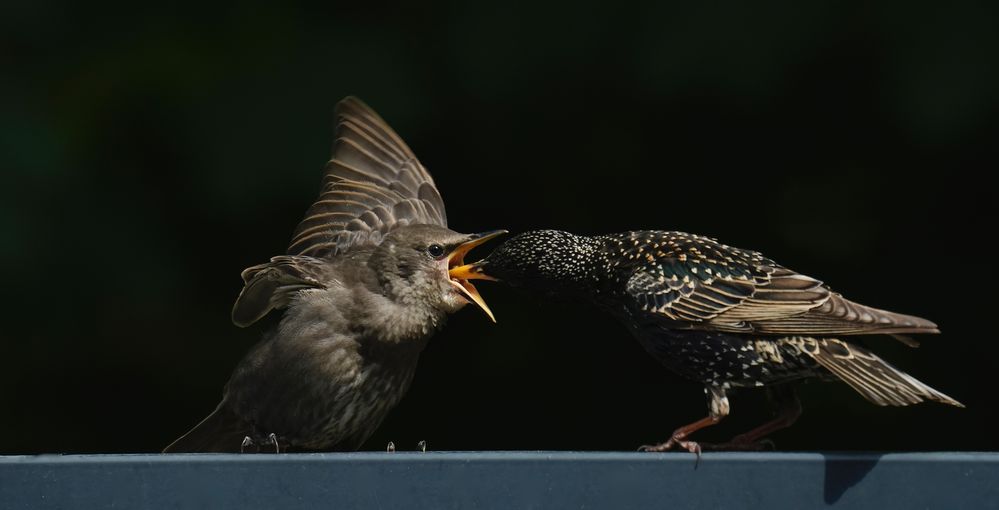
351	388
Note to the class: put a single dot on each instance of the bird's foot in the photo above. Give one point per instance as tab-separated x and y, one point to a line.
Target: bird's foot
247	442
273	439
390	447
674	442
422	446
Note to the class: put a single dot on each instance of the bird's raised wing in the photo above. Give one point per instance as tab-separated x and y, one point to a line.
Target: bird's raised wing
372	184
701	283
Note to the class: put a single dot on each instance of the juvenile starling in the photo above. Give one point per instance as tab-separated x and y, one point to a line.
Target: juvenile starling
363	286
725	317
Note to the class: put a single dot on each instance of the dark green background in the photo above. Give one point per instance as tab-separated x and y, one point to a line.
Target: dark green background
151	153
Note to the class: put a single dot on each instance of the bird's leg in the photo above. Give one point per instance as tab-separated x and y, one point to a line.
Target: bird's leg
717	409
788	412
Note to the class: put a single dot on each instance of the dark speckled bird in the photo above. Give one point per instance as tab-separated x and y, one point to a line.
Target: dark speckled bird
363	286
722	316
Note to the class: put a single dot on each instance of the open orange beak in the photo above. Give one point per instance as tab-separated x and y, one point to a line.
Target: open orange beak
459	272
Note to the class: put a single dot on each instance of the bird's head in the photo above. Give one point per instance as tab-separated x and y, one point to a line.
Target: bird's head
413	264
544	260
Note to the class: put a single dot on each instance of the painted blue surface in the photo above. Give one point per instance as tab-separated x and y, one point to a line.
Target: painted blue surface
487	480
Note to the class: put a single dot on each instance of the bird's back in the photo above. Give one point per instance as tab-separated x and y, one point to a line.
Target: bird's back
689	281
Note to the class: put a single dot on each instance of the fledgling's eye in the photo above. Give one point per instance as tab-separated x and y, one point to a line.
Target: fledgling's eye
435	250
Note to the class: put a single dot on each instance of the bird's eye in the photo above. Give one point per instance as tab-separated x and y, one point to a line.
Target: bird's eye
435	250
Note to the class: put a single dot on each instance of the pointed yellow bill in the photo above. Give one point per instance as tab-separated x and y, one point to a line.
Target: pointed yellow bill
459	275
469	291
469	272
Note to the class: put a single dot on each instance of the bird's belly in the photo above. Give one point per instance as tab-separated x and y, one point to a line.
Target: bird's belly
351	412
331	396
721	358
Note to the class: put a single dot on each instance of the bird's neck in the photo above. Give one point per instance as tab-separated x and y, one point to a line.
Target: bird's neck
411	324
406	310
594	268
575	268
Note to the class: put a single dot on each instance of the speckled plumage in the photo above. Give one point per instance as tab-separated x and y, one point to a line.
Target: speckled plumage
362	288
719	315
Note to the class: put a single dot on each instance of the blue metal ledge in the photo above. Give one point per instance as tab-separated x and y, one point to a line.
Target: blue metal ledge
505	480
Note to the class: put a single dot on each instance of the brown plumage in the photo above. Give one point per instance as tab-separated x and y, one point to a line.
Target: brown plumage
363	287
722	316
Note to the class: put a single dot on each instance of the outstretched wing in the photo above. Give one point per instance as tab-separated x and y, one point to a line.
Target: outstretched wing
372	184
699	282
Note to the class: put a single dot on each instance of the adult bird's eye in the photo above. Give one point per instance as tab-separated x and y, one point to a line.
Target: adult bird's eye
435	250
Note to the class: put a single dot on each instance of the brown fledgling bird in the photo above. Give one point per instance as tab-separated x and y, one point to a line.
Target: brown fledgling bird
722	316
363	287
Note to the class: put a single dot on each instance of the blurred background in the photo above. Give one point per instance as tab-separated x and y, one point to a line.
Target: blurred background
151	152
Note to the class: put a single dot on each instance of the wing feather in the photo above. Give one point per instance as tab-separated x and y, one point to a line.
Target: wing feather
700	283
371	185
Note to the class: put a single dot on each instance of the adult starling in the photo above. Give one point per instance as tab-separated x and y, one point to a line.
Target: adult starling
722	316
363	286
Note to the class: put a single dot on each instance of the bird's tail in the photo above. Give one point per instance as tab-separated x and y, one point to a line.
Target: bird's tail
221	432
871	376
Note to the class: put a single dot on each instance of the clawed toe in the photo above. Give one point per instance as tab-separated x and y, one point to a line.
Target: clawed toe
272	437
661	447
655	447
247	442
673	443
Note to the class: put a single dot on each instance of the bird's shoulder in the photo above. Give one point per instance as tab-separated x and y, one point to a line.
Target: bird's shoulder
273	284
682	254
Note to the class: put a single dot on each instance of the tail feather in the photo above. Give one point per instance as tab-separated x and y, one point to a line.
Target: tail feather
869	375
220	432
